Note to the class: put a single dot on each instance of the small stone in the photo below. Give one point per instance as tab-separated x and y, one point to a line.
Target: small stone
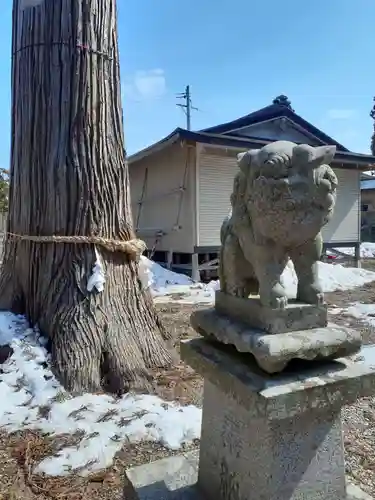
171	478
5	353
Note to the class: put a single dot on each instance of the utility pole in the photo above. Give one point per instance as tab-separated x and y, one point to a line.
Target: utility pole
187	107
372	114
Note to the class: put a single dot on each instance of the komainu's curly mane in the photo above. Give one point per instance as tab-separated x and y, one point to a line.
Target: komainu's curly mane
283	194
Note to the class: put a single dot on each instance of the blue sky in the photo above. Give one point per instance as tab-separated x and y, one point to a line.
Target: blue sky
237	55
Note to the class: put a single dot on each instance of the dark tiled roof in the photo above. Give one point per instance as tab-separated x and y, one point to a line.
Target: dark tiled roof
280	108
345	157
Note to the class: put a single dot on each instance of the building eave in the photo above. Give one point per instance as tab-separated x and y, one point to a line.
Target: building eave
350	160
157	146
343	159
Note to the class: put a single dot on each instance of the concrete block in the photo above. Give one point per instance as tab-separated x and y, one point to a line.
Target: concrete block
174	478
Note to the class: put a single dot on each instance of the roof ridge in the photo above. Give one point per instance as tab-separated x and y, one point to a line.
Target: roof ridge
280	107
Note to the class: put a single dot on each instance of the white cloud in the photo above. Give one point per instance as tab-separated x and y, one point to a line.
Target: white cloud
145	85
341	114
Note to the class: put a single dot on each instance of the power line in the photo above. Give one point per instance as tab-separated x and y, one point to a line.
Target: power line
187	107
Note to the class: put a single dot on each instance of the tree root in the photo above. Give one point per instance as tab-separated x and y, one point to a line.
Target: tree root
98	341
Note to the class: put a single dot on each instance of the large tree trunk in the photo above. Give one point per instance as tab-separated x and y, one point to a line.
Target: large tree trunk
69	177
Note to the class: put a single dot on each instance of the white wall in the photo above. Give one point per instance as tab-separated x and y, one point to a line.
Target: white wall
164	205
216	174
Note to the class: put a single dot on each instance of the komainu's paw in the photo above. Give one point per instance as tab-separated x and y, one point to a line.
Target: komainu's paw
241	292
275	298
320	298
235	290
280	303
310	294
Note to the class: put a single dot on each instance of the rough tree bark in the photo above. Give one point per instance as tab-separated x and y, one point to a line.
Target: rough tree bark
69	176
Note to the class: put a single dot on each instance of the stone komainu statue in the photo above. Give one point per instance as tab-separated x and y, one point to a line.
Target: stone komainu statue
283	195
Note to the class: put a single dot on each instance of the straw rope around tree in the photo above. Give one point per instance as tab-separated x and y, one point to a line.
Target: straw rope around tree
133	248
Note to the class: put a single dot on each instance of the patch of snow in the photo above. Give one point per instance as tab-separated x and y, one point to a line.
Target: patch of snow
335	309
367	354
97	279
169	287
213	286
27	386
363	312
367	250
197	293
144	272
331	276
159	277
184	294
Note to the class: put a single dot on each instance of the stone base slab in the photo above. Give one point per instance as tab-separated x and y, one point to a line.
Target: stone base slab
274	352
280	396
175	478
295	316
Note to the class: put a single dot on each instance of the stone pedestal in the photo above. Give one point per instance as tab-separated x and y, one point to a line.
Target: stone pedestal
263	437
297	457
295	316
273	438
273	352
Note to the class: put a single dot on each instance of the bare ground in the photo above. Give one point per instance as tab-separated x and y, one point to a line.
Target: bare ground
364	294
20	452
